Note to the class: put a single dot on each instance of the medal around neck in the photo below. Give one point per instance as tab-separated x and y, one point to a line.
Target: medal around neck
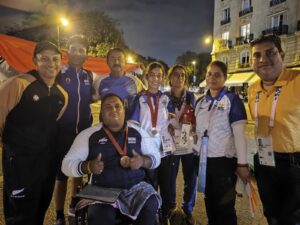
154	132
125	161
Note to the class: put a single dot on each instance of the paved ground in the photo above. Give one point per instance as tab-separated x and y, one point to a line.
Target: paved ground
244	217
243	214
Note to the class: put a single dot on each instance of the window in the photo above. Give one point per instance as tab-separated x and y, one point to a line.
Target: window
225	35
245	30
244	57
224	59
226	14
277	20
246	4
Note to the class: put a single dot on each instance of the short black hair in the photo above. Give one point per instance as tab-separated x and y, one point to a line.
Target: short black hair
115	50
221	65
78	38
103	99
268	38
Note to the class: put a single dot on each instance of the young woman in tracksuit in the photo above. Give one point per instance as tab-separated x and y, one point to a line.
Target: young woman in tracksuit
184	103
153	111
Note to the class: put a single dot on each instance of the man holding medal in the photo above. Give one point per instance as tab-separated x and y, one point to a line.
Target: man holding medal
275	106
115	153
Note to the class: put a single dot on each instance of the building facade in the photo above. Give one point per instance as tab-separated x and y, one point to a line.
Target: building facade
237	22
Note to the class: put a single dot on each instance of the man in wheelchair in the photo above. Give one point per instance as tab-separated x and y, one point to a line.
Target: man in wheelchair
115	154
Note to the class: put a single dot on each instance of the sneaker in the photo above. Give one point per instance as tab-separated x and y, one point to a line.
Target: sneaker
60	221
71	211
189	218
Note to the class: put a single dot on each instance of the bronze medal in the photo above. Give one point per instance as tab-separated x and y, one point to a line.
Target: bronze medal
125	161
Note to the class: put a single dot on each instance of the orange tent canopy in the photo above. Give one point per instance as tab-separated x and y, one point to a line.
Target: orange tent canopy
19	52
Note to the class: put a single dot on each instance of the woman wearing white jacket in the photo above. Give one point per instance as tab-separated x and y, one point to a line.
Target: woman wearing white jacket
220	126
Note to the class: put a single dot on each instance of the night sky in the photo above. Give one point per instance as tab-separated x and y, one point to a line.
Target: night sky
162	29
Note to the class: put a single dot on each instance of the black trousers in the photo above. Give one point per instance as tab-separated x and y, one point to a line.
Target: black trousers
279	189
28	183
220	191
161	179
104	214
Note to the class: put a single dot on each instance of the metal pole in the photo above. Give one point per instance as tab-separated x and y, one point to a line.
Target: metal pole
58	41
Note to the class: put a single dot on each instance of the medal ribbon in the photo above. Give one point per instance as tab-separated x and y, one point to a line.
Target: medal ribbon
154	112
115	143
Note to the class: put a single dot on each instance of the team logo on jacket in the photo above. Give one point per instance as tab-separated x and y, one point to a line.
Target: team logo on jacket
86	82
102	141
35	98
68	80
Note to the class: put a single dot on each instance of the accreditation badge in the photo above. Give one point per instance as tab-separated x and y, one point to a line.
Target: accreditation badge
185	135
265	151
167	144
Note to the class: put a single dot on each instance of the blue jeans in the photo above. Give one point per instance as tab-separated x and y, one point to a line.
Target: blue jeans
279	189
189	168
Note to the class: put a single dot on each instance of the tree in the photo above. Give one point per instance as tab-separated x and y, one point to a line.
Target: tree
201	60
102	31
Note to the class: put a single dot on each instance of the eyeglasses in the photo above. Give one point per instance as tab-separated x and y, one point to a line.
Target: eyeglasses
47	59
269	53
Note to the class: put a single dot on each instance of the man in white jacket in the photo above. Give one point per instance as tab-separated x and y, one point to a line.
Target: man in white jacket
115	153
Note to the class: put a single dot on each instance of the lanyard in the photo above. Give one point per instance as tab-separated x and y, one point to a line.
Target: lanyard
212	109
154	112
273	109
115	143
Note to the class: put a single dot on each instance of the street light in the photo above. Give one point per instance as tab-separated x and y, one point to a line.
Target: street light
194	72
63	21
130	59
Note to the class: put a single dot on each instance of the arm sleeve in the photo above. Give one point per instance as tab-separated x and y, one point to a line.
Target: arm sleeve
150	147
10	94
240	142
78	153
137	109
237	110
170	107
95	91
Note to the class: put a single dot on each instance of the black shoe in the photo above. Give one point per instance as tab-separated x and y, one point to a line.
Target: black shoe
189	218
60	221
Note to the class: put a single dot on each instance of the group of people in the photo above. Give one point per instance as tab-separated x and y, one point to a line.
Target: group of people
143	134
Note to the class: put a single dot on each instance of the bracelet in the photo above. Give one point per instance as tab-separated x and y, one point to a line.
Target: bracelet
88	168
243	165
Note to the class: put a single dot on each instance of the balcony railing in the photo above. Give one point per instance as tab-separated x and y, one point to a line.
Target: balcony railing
276	2
246	11
244	65
225	44
227	20
244	40
283	29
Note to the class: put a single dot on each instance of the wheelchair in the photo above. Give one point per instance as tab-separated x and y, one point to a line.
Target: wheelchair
81	214
81	218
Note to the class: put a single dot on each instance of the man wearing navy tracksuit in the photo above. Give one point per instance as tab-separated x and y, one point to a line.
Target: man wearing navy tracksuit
78	83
